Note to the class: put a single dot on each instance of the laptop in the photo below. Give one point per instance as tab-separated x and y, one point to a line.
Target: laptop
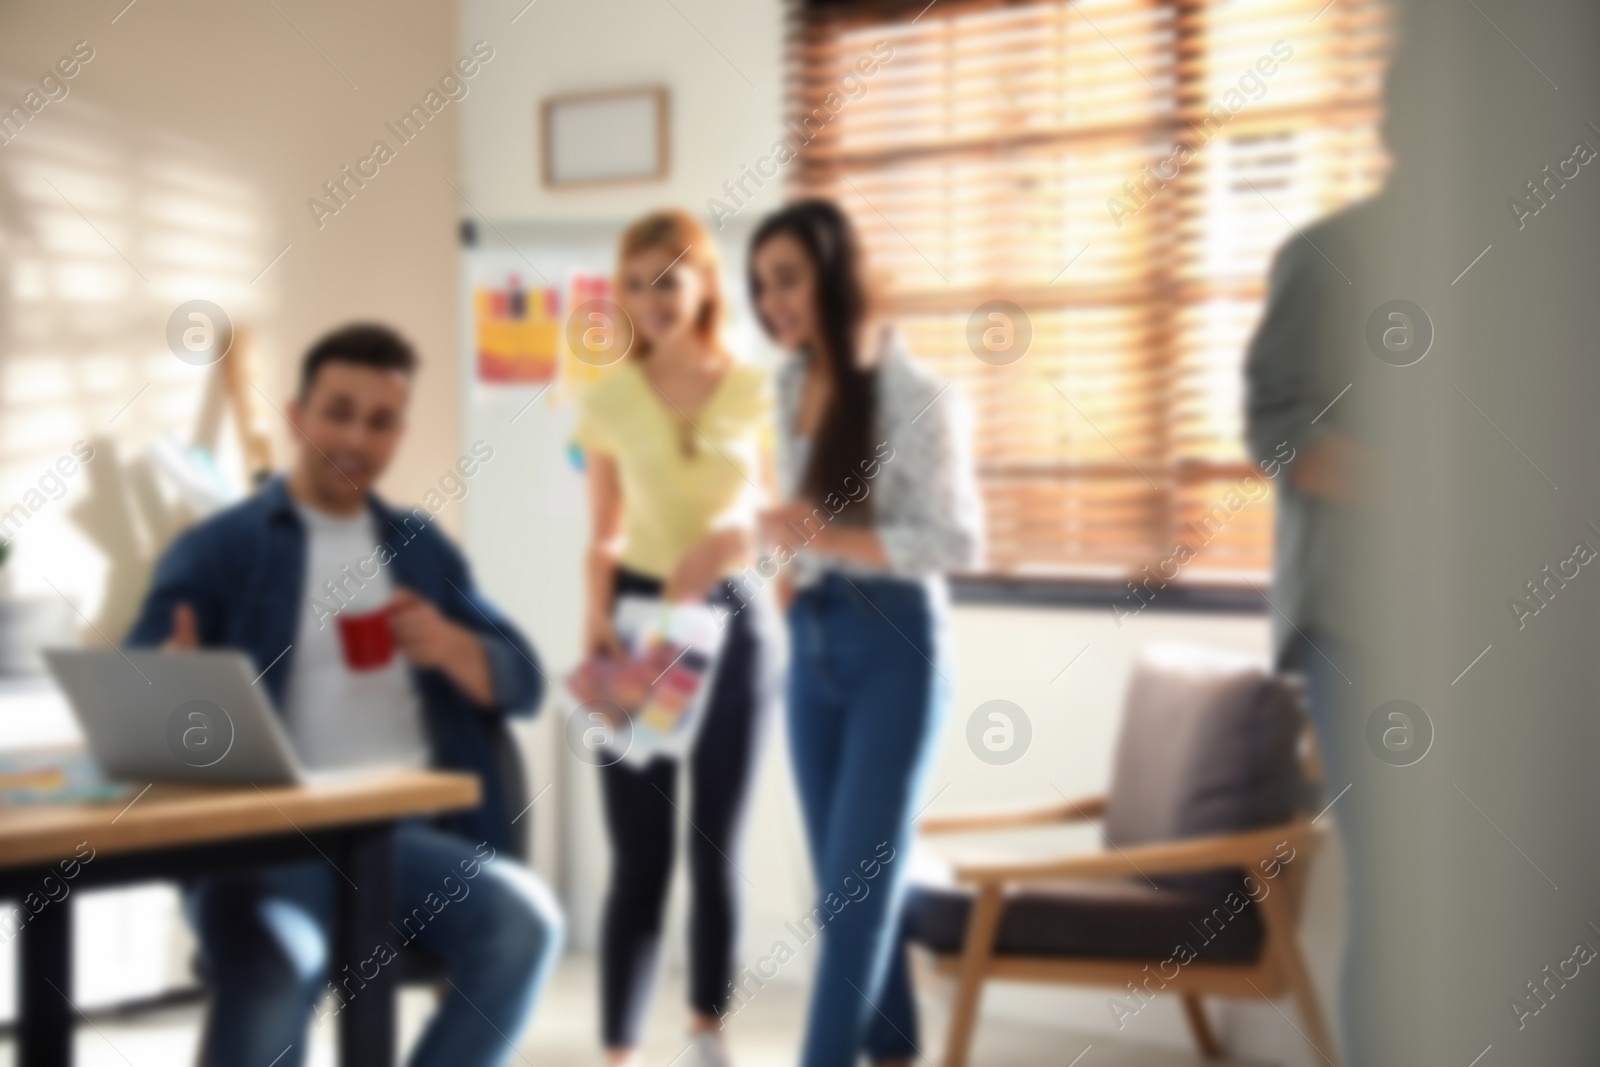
153	715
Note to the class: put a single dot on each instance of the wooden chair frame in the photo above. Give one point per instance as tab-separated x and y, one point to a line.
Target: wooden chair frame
1280	968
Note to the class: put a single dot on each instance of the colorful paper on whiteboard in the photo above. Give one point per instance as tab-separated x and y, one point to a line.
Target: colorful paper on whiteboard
518	334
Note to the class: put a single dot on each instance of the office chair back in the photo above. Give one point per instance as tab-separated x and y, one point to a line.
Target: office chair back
514	788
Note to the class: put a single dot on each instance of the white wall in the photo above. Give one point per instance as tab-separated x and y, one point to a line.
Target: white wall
526	522
702	50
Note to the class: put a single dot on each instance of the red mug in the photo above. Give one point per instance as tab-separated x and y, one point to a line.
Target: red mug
367	641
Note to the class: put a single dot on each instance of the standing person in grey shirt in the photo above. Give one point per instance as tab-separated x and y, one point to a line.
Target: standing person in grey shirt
1298	413
1317	396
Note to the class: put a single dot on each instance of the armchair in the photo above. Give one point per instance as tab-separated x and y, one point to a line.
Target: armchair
1200	890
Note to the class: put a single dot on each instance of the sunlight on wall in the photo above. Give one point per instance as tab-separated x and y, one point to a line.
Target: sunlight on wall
104	231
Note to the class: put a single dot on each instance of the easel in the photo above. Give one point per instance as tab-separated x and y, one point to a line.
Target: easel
130	511
232	387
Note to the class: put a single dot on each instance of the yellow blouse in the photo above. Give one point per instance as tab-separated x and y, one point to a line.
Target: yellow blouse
679	481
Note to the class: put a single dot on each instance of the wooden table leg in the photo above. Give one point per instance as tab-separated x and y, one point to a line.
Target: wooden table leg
45	1015
365	947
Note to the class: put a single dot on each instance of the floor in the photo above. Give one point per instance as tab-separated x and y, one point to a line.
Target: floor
763	1034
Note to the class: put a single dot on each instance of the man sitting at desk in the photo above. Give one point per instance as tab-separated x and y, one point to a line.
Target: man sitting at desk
376	649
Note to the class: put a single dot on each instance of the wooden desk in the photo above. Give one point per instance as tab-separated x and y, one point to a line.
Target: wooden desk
180	831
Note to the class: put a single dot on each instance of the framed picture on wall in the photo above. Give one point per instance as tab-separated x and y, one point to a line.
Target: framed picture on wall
605	138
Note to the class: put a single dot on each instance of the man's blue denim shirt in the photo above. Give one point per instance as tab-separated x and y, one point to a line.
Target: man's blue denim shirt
243	572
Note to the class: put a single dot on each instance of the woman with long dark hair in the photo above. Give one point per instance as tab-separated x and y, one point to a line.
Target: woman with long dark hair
672	439
874	459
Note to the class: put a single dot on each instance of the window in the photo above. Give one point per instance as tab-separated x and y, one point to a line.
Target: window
1120	170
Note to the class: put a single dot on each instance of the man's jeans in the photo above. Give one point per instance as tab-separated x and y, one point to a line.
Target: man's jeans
265	936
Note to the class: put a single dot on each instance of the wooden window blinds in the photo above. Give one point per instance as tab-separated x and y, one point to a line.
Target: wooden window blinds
1122	171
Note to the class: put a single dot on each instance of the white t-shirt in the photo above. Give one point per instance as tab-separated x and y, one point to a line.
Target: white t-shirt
339	717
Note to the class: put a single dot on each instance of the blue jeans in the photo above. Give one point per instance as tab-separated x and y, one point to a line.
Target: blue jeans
865	705
1330	667
264	936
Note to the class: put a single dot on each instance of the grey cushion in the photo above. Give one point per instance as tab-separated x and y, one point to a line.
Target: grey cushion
1092	920
1207	747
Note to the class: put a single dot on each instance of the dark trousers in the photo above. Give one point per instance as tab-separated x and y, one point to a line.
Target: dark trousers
641	809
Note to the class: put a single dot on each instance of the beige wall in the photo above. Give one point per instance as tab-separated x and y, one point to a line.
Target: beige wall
190	144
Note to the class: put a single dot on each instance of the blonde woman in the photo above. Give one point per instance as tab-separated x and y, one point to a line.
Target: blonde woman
672	444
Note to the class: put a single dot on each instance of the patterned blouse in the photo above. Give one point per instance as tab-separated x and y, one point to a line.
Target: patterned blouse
925	503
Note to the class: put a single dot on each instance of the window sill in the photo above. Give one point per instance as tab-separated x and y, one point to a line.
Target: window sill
1221	598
